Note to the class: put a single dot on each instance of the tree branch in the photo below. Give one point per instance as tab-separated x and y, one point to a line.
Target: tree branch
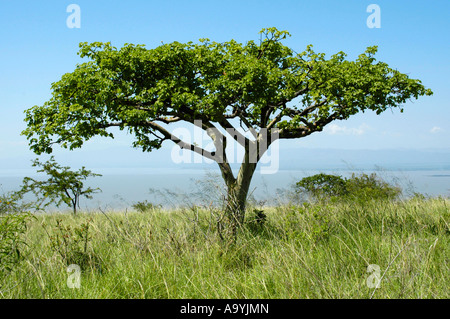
275	120
182	144
168	136
237	136
168	120
310	128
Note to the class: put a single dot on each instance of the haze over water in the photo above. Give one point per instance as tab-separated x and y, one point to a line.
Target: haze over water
172	184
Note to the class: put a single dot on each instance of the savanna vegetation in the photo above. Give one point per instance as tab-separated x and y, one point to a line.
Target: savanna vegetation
326	247
352	238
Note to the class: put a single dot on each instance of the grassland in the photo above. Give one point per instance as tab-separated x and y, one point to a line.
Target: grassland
309	251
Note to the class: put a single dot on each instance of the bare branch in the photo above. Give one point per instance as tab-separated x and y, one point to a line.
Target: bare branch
182	144
168	120
302	131
168	136
275	120
220	156
237	136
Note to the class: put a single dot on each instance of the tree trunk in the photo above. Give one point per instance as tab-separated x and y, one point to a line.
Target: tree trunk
237	188
237	197
74	205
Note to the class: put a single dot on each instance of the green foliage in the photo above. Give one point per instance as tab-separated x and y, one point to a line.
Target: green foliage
313	251
258	218
317	228
11	203
145	206
135	88
292	221
63	186
13	225
257	222
370	187
7	204
358	187
320	224
320	185
12	228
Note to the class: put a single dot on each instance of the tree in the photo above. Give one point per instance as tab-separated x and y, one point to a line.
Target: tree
264	87
63	186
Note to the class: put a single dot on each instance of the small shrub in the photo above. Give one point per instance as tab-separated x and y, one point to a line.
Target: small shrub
144	206
12	227
356	188
291	221
258	219
13	224
72	244
320	225
323	185
308	221
369	187
258	225
11	203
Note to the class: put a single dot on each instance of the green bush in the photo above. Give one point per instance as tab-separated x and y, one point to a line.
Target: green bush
144	206
368	187
321	185
358	187
257	219
13	224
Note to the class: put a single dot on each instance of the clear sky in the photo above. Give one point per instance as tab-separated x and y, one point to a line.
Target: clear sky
37	47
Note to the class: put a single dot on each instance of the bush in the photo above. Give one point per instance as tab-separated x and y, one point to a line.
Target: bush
358	187
323	185
257	220
9	203
71	243
13	224
144	206
367	187
12	227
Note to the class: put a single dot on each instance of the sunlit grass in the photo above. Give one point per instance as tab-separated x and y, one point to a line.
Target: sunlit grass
313	251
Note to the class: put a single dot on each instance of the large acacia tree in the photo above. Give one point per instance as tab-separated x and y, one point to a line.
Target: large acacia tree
264	87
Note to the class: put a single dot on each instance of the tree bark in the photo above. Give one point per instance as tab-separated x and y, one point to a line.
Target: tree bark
237	188
74	206
237	193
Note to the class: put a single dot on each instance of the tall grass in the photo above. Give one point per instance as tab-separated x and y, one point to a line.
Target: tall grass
309	251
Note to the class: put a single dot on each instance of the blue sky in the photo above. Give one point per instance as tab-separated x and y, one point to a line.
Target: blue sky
37	47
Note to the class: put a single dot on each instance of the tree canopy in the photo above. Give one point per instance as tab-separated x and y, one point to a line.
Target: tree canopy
136	89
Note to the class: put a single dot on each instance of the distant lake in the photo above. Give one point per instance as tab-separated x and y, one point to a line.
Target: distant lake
125	186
